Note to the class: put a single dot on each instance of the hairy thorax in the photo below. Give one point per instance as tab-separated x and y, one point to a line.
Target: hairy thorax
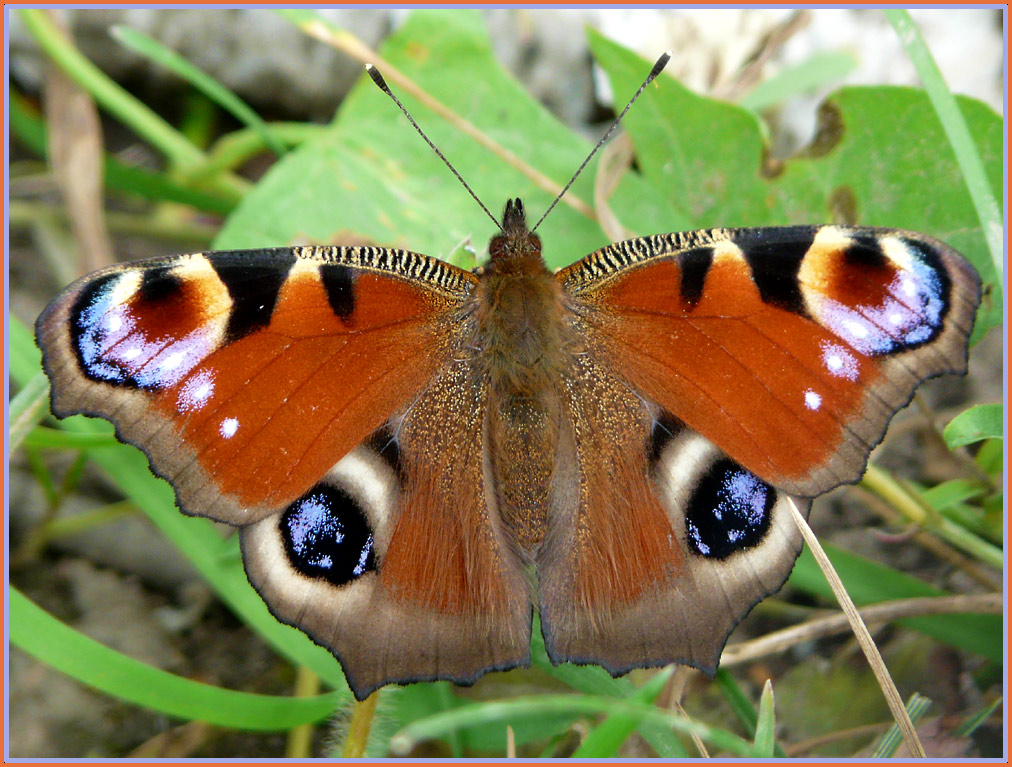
521	347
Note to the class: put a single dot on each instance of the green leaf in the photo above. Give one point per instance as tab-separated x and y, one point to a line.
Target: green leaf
976	424
42	636
881	159
868	582
507	712
372	175
991	456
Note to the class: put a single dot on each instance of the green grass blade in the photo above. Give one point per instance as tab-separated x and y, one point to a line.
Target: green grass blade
39	634
974	721
740	704
949	114
819	70
200	80
28	127
891	739
975	424
505	712
44	437
606	739
765	738
26	409
594	680
138	116
24	359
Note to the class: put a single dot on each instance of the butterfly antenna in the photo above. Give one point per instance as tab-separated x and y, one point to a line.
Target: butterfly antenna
658	66
382	85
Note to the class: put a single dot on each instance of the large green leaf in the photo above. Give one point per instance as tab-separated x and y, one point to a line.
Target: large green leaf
868	582
373	175
881	158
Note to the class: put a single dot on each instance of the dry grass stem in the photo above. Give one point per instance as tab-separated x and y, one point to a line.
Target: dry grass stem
871	652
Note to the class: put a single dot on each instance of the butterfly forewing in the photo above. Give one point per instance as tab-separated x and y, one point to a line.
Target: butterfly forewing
790	348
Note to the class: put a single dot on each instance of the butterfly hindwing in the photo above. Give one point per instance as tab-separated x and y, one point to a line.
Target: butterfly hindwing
790	347
659	543
428	587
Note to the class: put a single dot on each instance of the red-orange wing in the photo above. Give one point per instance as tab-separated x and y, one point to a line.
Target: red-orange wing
717	374
245	375
788	348
313	397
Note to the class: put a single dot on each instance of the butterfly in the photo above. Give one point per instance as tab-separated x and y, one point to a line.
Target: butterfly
416	456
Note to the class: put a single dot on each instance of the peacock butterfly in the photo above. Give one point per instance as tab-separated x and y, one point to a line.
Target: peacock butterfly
415	455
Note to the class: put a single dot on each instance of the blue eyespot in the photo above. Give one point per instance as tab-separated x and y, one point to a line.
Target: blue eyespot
326	535
729	511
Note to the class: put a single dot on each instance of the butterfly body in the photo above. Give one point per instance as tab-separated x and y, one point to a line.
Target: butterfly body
402	444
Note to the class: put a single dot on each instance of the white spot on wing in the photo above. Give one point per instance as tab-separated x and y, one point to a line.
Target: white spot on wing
839	362
228	427
813	401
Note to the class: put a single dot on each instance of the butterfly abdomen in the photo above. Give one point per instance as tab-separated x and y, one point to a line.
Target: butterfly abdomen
521	339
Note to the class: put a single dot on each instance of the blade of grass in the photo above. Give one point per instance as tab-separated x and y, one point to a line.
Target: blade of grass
177	227
200	80
58	645
23	358
357	739
28	127
26	409
816	71
235	148
974	721
972	167
861	633
740	704
605	739
904	498
300	739
917	707
131	112
765	739
44	437
594	680
437	725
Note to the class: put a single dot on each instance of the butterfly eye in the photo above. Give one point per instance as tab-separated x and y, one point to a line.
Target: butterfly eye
534	243
497	247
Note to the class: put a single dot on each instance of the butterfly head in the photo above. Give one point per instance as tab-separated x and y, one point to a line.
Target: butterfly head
516	243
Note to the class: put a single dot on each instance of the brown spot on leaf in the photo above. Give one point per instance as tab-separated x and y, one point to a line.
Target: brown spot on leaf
843	206
828	132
